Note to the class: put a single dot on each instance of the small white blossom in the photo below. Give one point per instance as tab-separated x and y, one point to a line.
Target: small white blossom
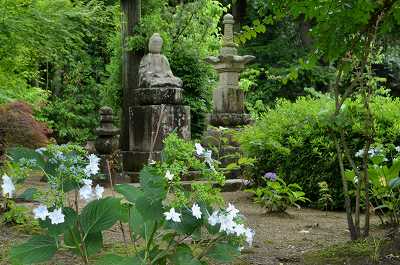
41	212
199	149
98	191
249	236
7	186
397	148
93	167
232	211
214	218
86	192
196	211
173	216
87	182
168	175
240	230
151	162
56	216
227	224
40	150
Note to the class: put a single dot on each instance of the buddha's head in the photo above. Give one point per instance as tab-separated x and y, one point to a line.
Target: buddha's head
155	43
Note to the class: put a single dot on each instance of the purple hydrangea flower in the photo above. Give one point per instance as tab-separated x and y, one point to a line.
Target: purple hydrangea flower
270	175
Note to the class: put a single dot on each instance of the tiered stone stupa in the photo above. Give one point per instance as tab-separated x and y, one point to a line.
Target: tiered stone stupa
228	98
158	109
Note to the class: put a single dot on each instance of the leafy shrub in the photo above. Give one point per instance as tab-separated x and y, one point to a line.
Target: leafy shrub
197	86
20	128
293	139
163	230
277	196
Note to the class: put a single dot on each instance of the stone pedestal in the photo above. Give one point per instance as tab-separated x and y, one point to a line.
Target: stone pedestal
157	112
149	126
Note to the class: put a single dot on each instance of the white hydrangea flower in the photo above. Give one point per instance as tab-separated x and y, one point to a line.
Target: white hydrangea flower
41	212
93	167
98	192
168	175
232	211
173	216
87	182
240	230
199	149
214	218
196	212
56	216
227	224
86	192
7	186
249	236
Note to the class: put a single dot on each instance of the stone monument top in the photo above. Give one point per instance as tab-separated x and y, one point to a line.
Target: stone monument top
154	69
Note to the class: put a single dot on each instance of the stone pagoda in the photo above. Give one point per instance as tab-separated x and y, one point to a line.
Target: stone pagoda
106	142
228	98
157	110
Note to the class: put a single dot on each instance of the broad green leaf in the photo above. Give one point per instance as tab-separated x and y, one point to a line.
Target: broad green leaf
149	208
394	169
18	153
394	182
28	194
152	183
130	192
37	249
223	252
183	256
93	242
99	215
188	224
139	226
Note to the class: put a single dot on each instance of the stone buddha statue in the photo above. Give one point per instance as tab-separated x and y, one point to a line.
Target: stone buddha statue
154	69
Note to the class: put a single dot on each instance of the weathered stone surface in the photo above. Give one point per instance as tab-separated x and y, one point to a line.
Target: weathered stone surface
229	119
145	121
106	142
228	98
155	96
154	69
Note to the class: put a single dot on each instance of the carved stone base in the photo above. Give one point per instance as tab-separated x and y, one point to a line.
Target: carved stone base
158	96
229	119
148	127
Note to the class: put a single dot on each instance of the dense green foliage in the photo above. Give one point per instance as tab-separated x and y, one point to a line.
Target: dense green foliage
293	140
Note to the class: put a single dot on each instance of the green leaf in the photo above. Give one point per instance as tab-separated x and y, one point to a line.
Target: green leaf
188	224
17	153
130	192
138	225
93	242
118	260
394	182
152	183
28	194
100	215
223	252
183	256
149	208
37	249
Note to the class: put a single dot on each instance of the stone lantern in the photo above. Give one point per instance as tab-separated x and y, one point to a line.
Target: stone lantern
106	142
228	98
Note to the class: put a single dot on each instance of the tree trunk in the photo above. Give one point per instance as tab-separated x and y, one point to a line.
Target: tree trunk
131	13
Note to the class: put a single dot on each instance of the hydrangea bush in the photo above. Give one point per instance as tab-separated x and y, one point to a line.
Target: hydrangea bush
167	225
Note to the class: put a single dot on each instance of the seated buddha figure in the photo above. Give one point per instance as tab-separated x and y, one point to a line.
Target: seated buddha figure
154	69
